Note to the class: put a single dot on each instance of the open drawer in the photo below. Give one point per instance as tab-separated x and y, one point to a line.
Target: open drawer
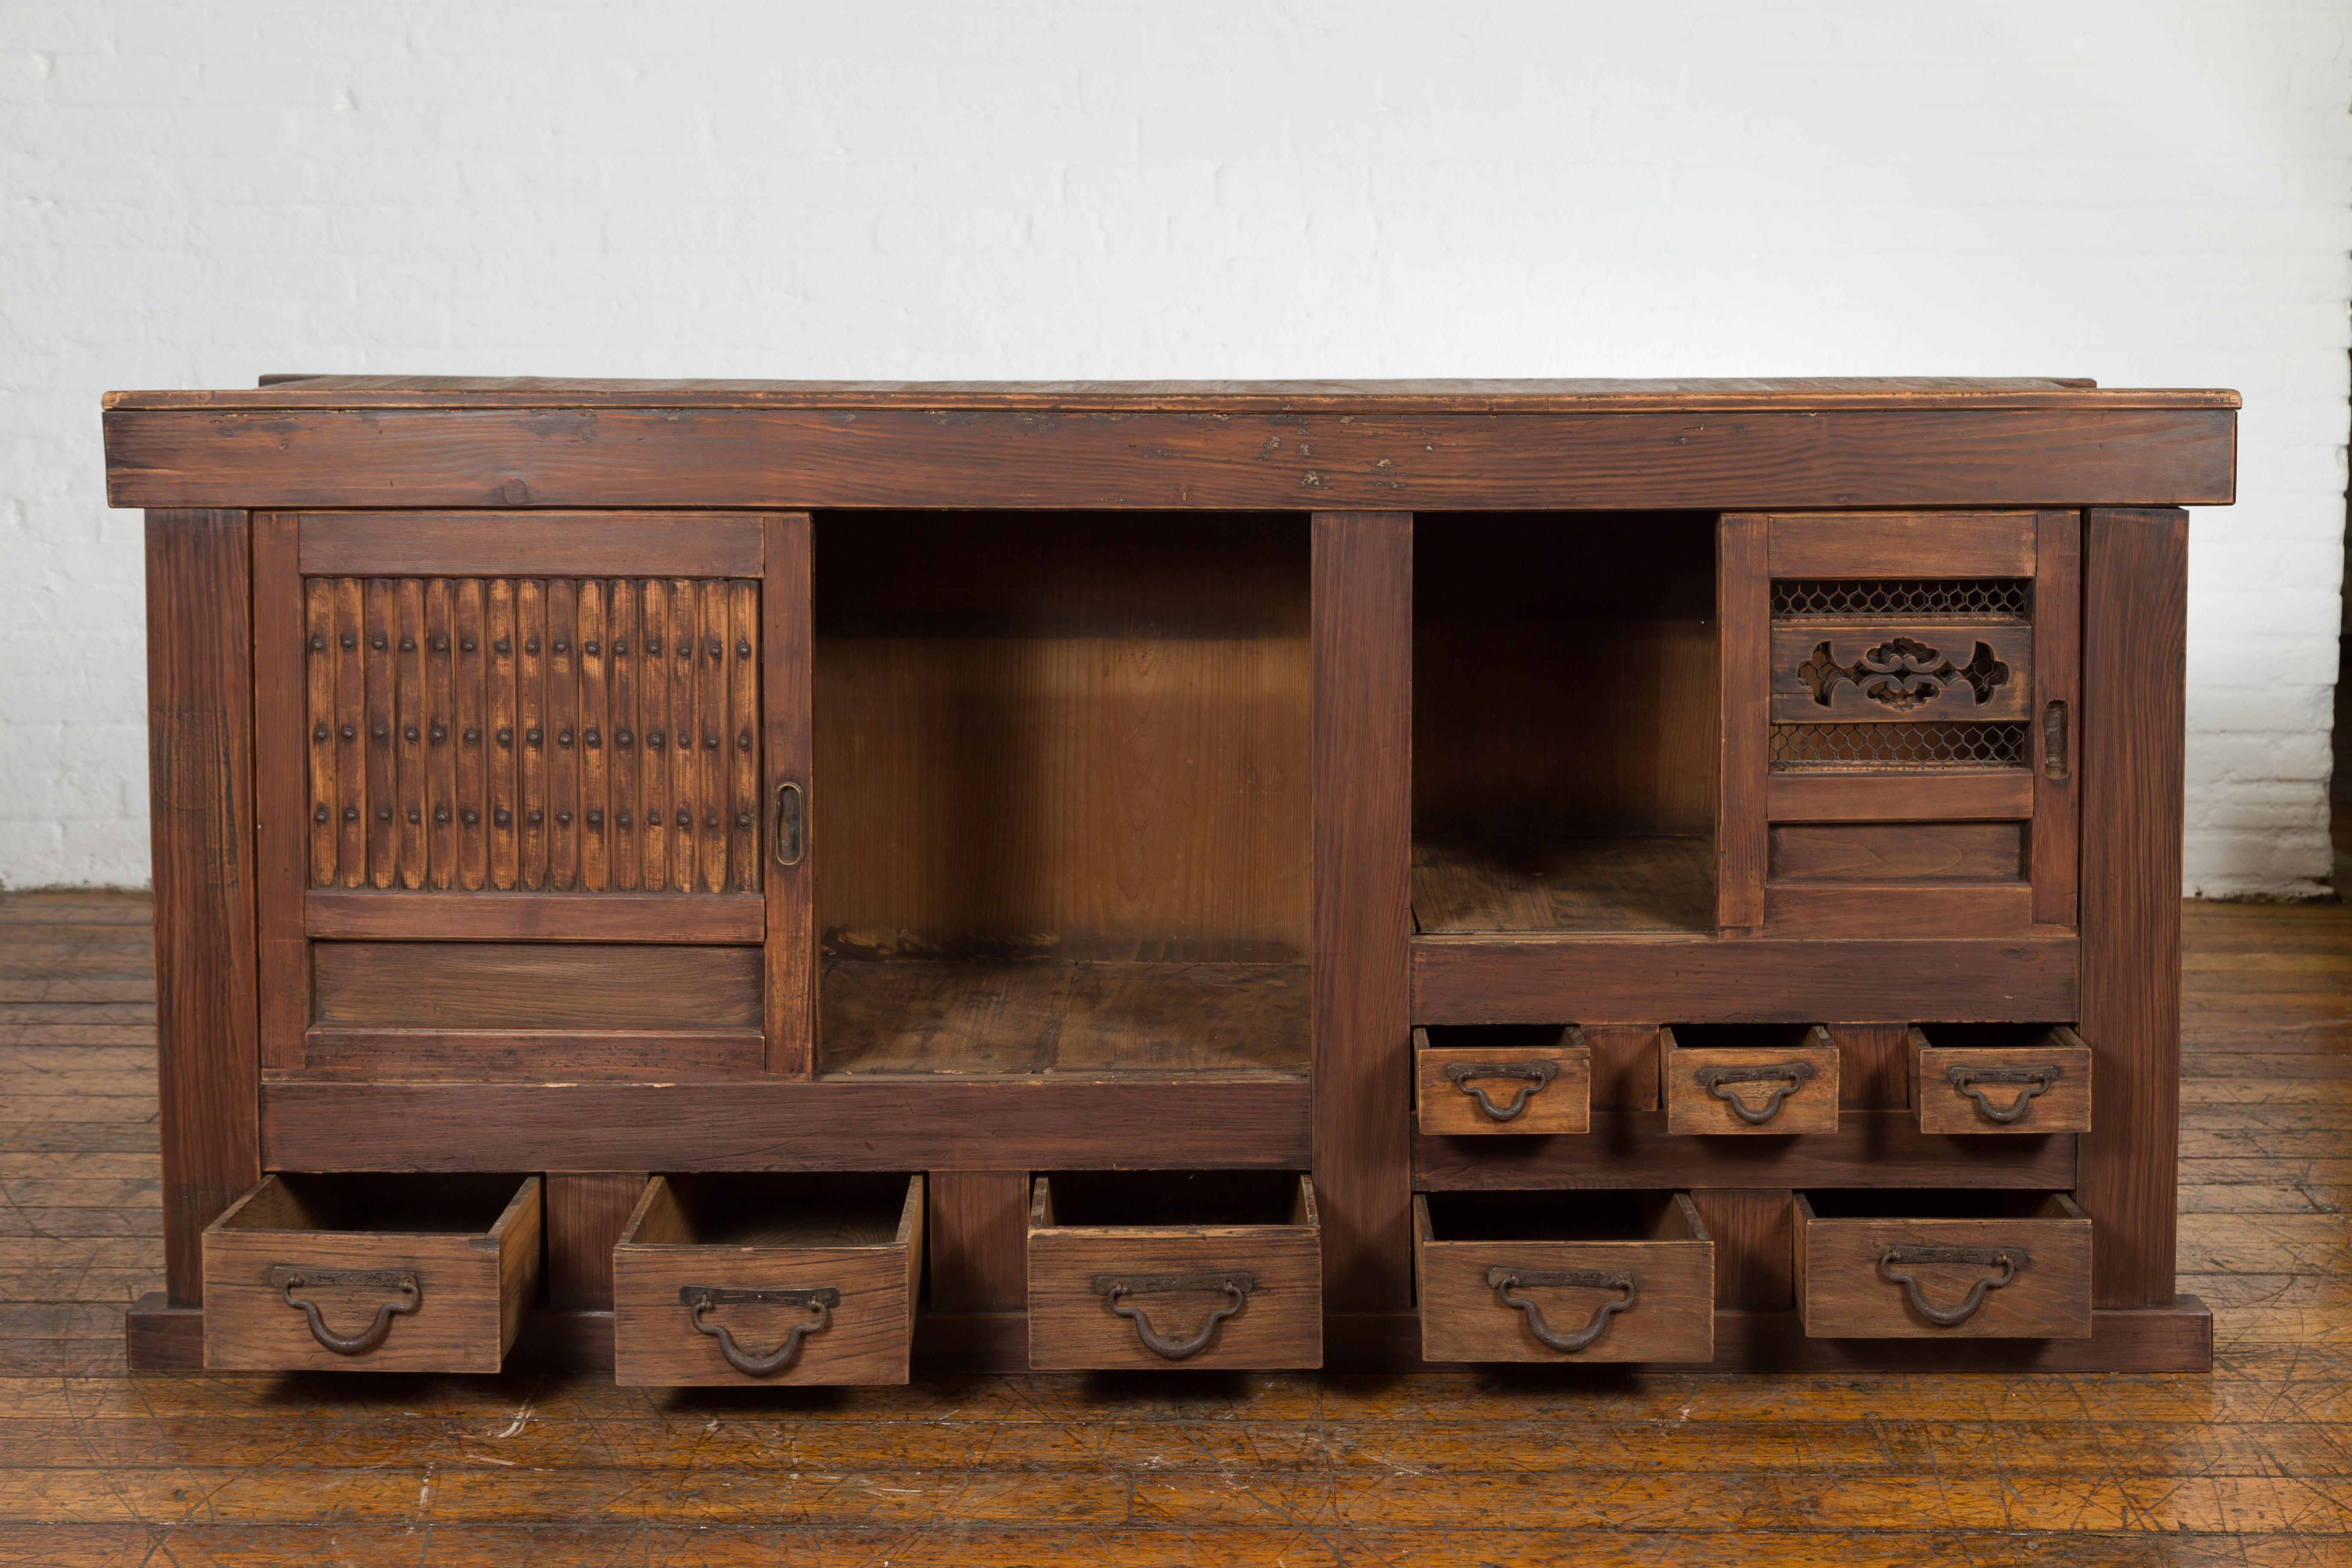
1933	1265
2001	1077
1748	1077
1155	1269
767	1279
372	1273
1560	1276
1527	1079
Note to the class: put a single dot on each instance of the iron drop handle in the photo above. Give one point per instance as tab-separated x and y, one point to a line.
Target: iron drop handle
2004	1258
700	1299
286	1279
2033	1082
1791	1076
1535	1076
1113	1289
1507	1281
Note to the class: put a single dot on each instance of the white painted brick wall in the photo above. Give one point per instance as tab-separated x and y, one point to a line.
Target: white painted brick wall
2152	194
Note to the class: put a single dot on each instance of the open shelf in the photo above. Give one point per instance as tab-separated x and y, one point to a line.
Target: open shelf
1565	723
1058	804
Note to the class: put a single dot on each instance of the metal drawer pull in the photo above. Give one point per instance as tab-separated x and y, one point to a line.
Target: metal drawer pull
792	824
1459	1075
1506	1280
1112	1287
2004	1258
1791	1076
285	1278
700	1299
2036	1082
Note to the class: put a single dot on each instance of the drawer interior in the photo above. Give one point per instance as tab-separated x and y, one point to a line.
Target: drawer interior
1564	722
1185	1199
1989	1036
400	1205
1561	1216
1933	1203
775	1209
1743	1036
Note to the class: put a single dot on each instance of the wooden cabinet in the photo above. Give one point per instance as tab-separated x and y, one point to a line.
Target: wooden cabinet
1015	808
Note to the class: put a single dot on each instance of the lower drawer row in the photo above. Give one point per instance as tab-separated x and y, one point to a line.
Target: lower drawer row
795	1278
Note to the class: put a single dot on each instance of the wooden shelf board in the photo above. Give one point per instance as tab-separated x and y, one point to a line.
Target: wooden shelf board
1583	886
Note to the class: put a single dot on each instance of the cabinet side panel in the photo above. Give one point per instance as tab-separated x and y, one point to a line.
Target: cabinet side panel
1362	919
200	774
2135	645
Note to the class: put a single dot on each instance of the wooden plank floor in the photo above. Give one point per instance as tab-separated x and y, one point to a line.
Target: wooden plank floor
2251	1466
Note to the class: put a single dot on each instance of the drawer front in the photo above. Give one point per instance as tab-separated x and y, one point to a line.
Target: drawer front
1142	1298
2039	1087
1567	1301
2025	1277
761	1315
281	1298
1899	696
1765	1090
1512	1091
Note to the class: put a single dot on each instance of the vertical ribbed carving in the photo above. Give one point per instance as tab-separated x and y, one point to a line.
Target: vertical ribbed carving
503	734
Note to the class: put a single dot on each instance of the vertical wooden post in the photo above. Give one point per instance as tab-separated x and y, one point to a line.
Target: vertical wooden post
1362	905
1743	596
977	1231
2054	843
2128	737
284	665
785	699
200	778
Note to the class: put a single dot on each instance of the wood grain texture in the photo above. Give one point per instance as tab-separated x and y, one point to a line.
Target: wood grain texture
201	796
1625	882
1755	1235
1071	1324
1884	544
294	760
338	915
1660	1245
2065	1106
1853	910
1899	852
1874	1066
461	1054
770	458
1743	611
1632	1150
1843	1294
586	1216
2056	844
1560	1104
1363	904
861	1237
1524	980
472	1243
1900	797
530	985
512	544
1810	1106
787	1125
2135	654
978	1233
1625	1066
787	663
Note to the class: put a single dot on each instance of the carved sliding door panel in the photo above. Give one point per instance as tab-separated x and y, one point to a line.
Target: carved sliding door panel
1904	706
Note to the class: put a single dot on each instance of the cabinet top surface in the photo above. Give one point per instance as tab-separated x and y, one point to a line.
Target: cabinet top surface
1423	396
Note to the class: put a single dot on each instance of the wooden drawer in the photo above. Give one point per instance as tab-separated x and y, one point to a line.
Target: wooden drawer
372	1273
1933	1265
1525	1080
1769	1078
1562	1276
2001	1077
1158	1269
757	1280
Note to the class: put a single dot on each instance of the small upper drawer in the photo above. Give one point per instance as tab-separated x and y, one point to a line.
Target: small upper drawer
2001	1077
1557	1276
1155	1269
1748	1077
372	1273
1505	1078
767	1279
1928	1264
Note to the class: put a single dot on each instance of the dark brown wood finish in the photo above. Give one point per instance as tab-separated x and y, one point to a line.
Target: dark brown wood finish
978	1231
786	665
294	776
586	1213
1743	614
2135	643
201	788
1363	789
2054	843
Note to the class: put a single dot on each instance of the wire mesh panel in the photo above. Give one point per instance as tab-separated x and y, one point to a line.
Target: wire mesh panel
1823	748
1947	598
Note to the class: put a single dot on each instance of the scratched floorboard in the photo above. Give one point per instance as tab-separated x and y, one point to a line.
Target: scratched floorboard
2251	1467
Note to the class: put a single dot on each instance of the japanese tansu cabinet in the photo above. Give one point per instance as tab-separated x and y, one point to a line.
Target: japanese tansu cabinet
609	714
